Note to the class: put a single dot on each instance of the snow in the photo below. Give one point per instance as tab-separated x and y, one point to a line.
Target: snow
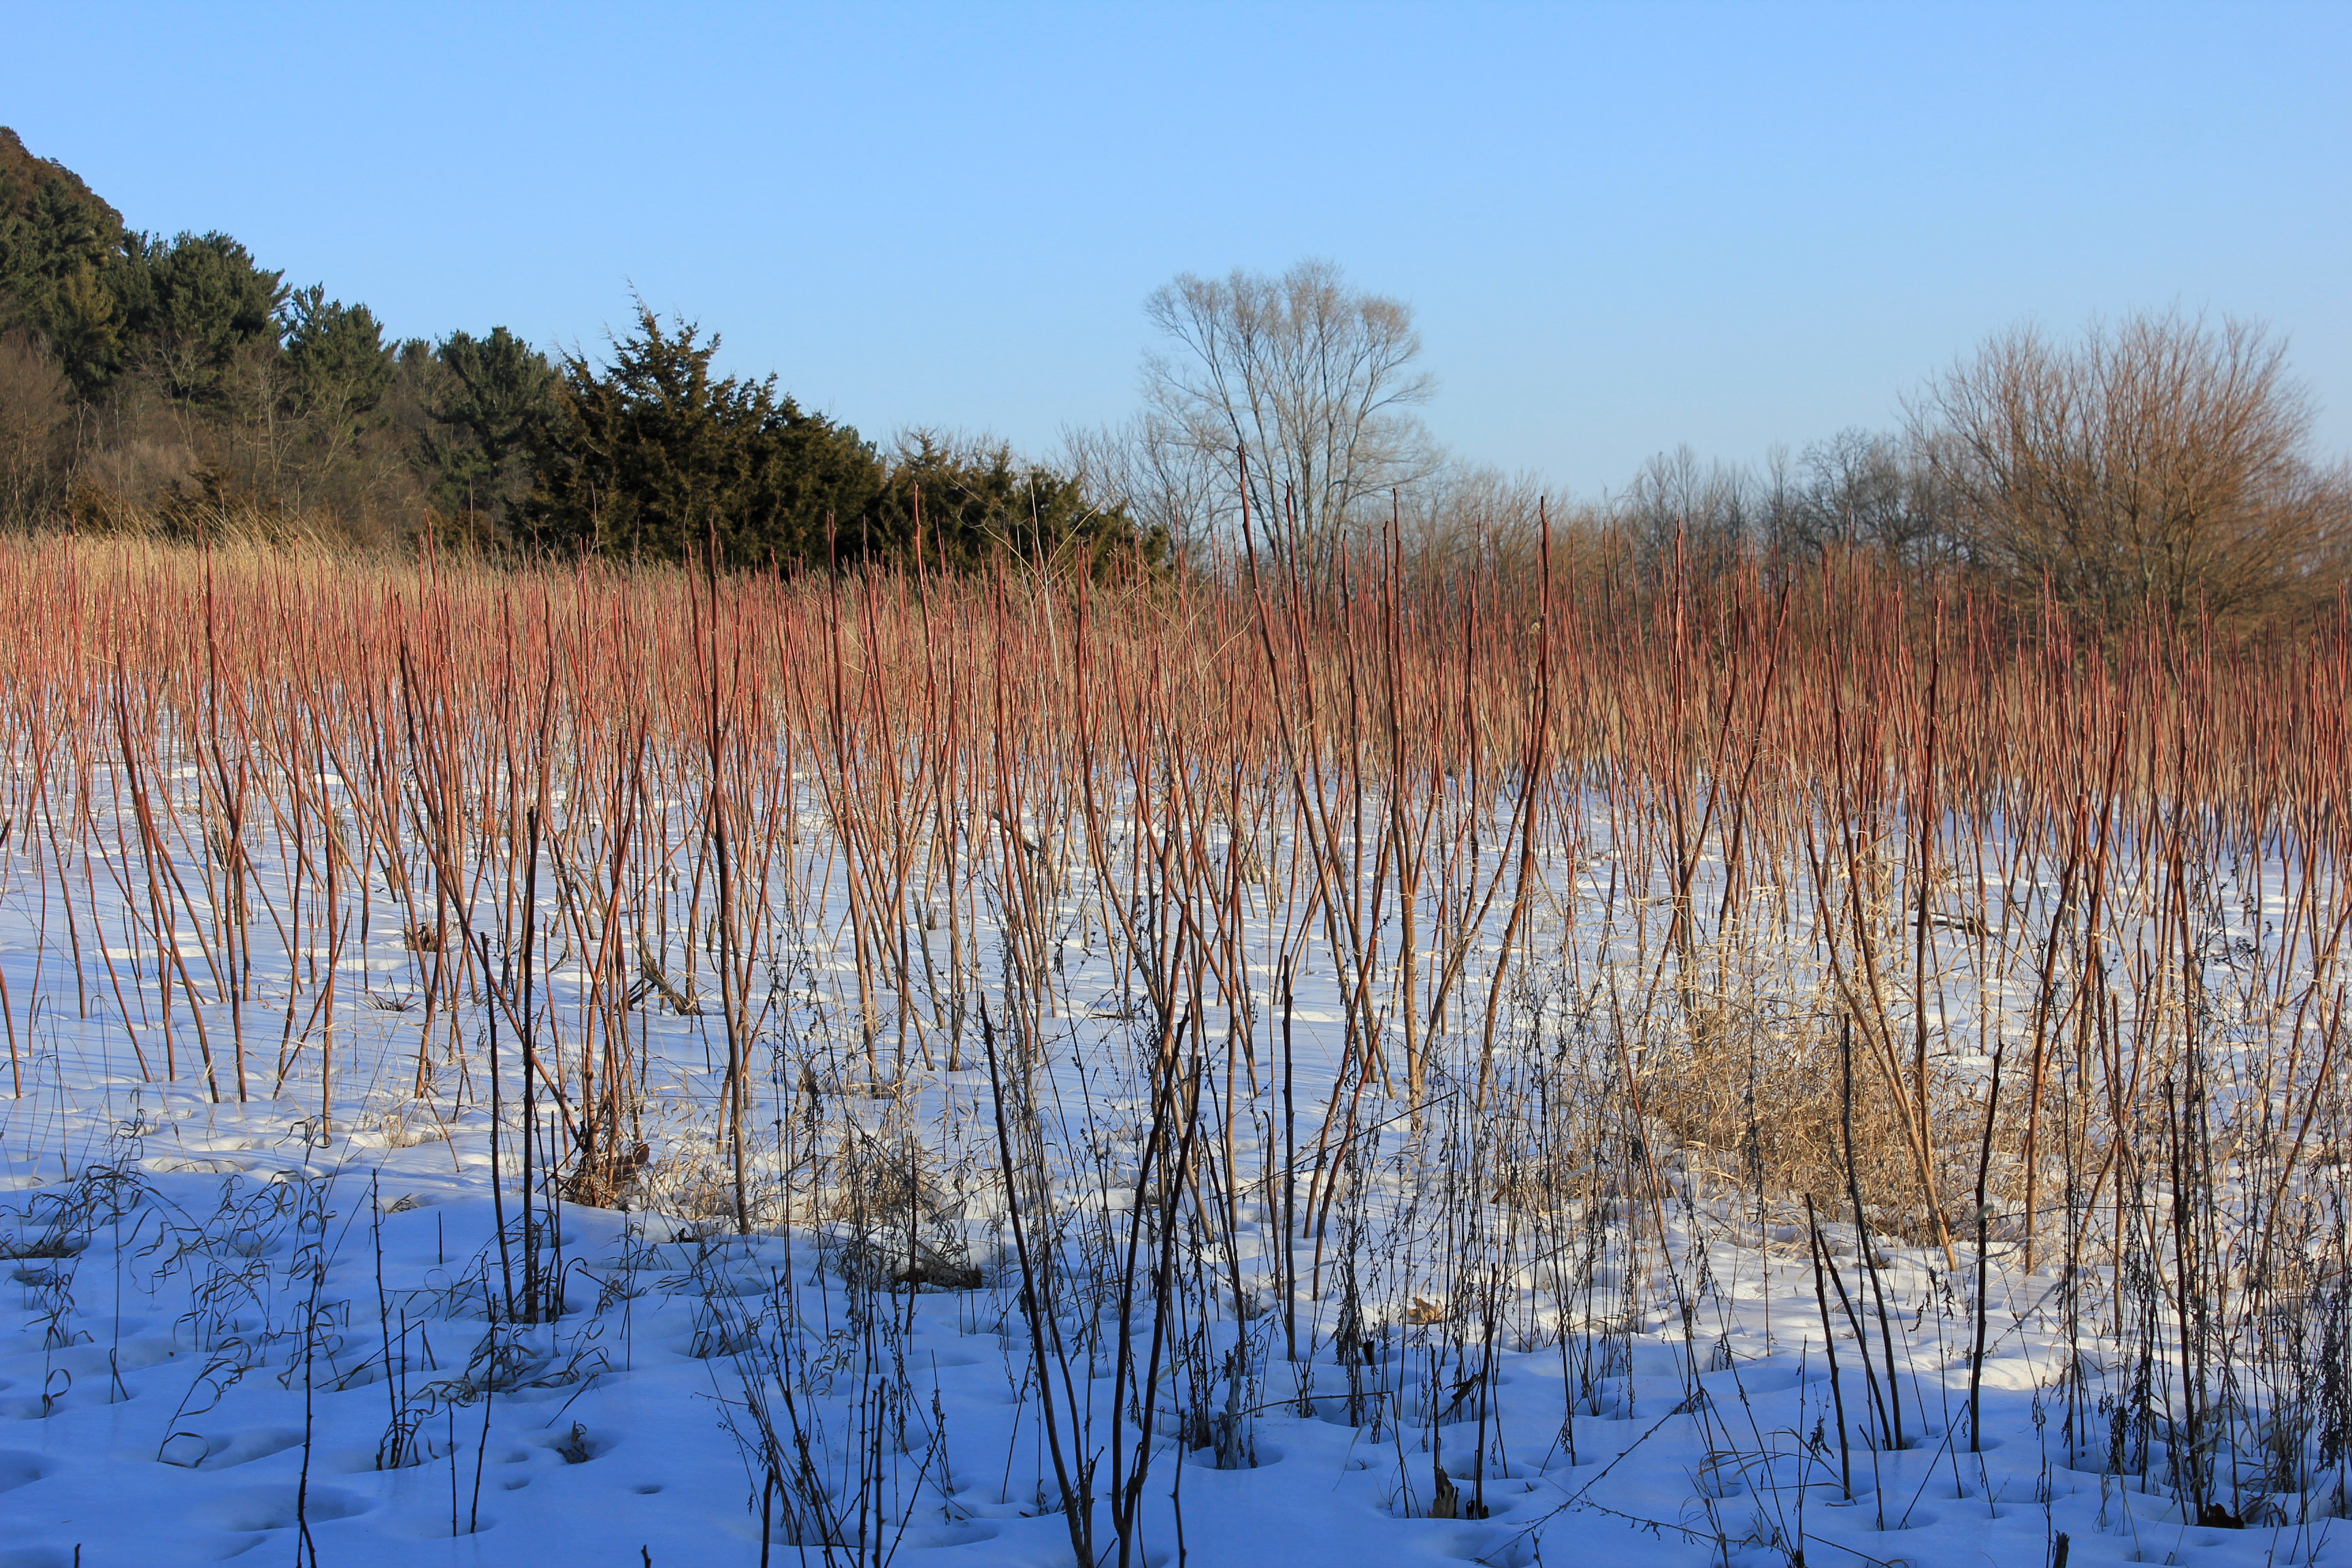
159	1408
283	1327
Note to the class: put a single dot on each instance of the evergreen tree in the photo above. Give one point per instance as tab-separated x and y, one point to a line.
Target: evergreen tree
62	249
193	305
491	399
279	402
645	457
336	352
339	368
980	504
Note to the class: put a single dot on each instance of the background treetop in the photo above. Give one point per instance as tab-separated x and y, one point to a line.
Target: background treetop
651	451
2157	464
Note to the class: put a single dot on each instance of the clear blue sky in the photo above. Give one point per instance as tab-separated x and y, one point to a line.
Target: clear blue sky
1623	227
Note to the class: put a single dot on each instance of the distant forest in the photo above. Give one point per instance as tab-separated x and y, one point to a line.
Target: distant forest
2155	464
178	386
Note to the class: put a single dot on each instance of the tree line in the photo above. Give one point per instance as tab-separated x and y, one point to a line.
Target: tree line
178	386
2160	464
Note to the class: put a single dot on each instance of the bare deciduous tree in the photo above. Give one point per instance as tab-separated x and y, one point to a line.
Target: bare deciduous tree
1858	491
33	406
1307	377
1465	513
2153	465
1144	468
1674	502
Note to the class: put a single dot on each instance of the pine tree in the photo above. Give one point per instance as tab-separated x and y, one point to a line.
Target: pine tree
491	398
980	503
60	250
341	362
649	456
193	305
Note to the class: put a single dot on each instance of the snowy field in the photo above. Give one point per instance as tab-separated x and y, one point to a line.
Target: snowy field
230	1332
1172	1170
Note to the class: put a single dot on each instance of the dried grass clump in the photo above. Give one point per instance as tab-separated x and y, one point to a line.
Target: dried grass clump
608	1179
885	1178
1762	1106
891	1258
901	1224
693	1185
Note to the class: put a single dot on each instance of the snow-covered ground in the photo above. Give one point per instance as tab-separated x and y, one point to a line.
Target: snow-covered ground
206	1377
293	1326
198	1370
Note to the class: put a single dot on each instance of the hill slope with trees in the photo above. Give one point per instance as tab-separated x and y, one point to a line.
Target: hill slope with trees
178	386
